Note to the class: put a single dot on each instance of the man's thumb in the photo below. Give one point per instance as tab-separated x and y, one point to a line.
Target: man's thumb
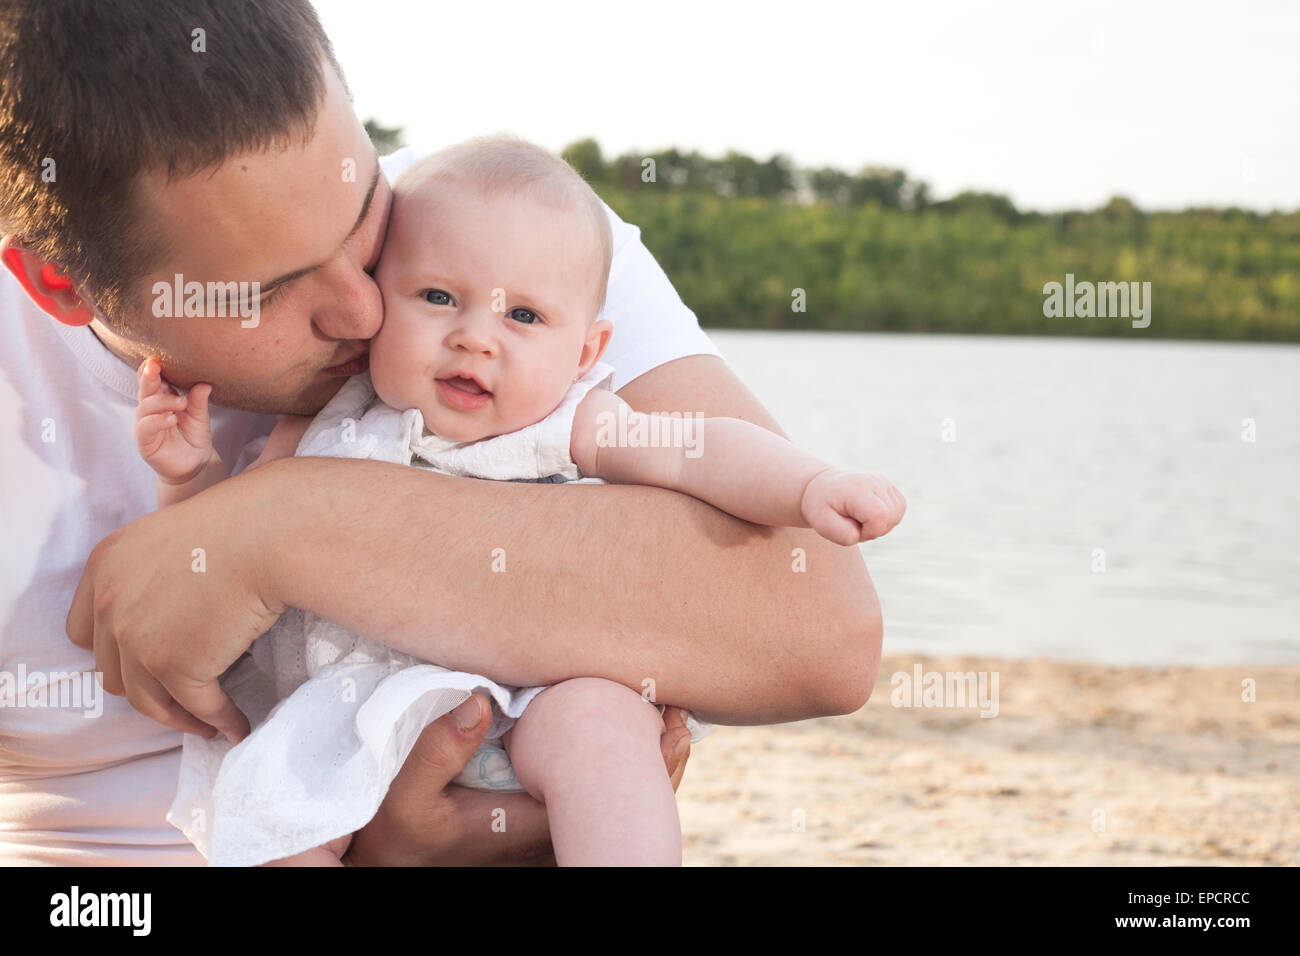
470	714
445	746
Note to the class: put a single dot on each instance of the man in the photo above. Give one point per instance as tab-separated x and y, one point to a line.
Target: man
145	145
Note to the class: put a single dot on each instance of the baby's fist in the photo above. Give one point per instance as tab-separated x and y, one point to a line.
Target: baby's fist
848	507
172	431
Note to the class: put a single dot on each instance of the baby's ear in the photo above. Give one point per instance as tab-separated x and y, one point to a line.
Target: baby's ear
592	349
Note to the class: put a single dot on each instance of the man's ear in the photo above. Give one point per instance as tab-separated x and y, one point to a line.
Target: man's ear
45	284
594	347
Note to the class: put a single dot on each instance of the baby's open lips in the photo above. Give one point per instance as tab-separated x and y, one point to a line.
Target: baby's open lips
466	384
464	392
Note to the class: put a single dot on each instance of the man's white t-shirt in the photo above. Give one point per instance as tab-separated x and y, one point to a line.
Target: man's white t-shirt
84	779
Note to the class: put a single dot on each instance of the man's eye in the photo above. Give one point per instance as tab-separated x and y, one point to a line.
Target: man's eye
526	316
437	297
271	296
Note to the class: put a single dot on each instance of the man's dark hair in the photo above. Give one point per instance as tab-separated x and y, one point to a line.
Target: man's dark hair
94	93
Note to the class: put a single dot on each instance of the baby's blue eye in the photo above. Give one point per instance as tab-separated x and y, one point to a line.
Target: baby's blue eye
526	316
437	297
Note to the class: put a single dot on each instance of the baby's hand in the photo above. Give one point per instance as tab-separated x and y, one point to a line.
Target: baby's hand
847	507
172	431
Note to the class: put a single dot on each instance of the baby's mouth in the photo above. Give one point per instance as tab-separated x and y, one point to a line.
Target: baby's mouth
463	393
466	385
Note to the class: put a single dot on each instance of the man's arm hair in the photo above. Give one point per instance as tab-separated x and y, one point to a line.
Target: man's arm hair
532	584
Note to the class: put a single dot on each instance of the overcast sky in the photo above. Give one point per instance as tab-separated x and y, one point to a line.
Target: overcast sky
1058	105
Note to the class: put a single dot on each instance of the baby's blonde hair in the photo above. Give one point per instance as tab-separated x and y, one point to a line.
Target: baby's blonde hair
505	163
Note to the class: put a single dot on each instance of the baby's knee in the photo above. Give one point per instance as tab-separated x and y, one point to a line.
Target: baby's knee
594	701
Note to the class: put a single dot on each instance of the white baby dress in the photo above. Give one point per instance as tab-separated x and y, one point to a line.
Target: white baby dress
334	714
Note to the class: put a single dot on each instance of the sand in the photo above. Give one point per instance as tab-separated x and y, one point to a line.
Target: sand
1083	764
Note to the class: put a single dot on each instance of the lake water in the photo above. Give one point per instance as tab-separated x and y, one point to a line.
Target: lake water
1021	457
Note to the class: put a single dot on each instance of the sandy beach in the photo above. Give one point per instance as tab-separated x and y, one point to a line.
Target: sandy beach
1083	764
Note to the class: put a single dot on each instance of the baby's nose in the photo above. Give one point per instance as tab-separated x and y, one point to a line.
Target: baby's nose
475	334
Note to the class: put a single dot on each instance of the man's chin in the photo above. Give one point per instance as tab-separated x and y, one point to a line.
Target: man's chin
308	401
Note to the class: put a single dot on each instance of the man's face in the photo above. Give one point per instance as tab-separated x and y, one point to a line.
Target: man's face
307	223
488	302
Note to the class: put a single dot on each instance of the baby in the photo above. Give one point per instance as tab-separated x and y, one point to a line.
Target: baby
493	275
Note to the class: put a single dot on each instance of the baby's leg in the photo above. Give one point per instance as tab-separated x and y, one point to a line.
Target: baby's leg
589	749
329	854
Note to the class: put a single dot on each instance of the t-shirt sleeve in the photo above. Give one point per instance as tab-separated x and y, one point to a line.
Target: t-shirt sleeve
394	164
651	323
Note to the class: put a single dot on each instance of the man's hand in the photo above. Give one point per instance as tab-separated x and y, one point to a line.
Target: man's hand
424	821
167	603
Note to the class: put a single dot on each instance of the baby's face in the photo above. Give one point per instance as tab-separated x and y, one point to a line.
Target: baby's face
488	303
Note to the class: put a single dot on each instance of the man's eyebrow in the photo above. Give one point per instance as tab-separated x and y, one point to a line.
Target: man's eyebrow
370	197
266	287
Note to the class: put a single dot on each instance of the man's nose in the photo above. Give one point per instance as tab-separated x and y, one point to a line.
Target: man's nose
349	305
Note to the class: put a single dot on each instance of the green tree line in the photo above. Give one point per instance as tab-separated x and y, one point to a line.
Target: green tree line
873	250
748	242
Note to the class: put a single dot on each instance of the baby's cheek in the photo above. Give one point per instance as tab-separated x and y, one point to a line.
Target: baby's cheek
386	372
540	400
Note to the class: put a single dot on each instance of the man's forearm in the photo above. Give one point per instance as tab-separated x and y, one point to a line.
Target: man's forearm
532	584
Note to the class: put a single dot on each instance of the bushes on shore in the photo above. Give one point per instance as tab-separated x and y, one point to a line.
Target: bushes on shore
873	251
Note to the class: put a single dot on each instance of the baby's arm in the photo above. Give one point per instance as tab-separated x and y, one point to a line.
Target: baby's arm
283	440
738	467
